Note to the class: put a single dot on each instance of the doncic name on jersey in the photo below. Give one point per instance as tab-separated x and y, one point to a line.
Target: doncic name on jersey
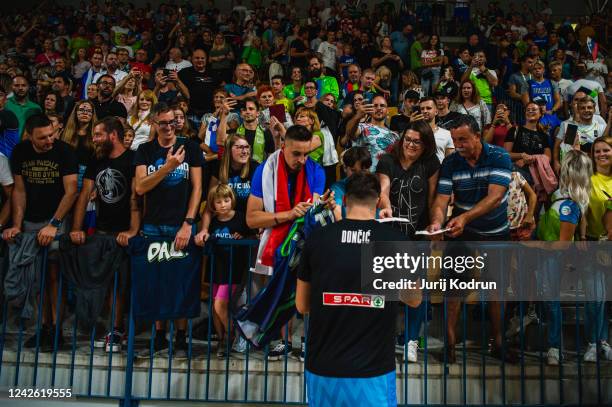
164	251
179	173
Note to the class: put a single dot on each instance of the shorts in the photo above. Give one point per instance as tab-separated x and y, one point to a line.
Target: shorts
326	391
221	291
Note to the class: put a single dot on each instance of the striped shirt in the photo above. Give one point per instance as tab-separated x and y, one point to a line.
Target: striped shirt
471	185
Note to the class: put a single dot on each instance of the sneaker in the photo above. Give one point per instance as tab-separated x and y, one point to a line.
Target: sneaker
591	353
100	342
278	352
222	350
514	327
239	347
160	344
113	341
553	357
179	349
411	353
303	350
45	338
606	350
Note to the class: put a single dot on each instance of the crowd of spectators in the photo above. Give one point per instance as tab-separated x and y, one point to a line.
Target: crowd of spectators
104	104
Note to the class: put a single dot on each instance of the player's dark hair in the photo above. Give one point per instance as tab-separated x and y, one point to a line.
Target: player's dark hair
36	121
362	187
298	133
356	155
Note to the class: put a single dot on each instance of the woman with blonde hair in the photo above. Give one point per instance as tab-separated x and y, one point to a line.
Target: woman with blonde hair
568	205
183	127
598	227
140	117
78	132
127	90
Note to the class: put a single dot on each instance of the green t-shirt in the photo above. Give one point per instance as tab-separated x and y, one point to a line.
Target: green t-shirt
252	56
484	90
415	55
23	112
317	153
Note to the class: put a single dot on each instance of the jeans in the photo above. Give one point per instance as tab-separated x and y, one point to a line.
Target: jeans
416	316
427	84
596	321
547	277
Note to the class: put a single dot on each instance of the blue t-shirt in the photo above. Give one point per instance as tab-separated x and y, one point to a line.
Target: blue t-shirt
550	122
543	89
315	177
238	90
471	184
569	212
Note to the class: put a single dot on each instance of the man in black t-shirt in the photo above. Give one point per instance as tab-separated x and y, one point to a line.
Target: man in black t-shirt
110	175
299	49
104	104
200	86
356	358
169	176
45	172
445	117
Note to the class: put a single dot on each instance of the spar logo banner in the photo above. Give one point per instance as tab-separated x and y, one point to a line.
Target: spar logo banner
354	300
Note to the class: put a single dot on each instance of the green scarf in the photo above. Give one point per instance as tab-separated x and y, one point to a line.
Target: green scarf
259	143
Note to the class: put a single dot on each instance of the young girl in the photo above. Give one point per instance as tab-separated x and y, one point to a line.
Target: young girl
226	224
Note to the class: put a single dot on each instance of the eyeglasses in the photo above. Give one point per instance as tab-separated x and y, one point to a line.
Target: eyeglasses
380	106
89	111
105	83
414	141
170	123
242	148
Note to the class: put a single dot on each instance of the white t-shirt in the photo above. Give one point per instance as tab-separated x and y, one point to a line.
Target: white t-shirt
594	87
6	177
328	53
587	133
443	142
177	66
118	75
563	85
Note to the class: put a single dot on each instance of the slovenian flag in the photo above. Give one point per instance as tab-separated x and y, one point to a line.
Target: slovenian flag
593	47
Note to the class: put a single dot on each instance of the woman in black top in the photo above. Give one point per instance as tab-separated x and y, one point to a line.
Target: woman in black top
78	132
408	178
525	142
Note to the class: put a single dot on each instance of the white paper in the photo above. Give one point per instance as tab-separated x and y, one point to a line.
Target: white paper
384	220
428	233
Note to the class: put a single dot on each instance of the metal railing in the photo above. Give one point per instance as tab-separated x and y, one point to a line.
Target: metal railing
249	377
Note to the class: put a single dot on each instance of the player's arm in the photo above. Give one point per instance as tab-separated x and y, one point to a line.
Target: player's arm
257	217
81	204
302	297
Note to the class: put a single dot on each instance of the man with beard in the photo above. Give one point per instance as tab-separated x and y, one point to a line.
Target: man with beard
45	173
105	104
62	85
373	133
325	84
262	142
112	68
109	175
282	190
19	103
169	177
199	85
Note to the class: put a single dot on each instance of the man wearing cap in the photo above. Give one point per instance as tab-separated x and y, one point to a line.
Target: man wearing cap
408	113
445	117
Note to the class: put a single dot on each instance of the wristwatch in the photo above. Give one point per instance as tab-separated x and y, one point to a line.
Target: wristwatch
56	222
190	221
